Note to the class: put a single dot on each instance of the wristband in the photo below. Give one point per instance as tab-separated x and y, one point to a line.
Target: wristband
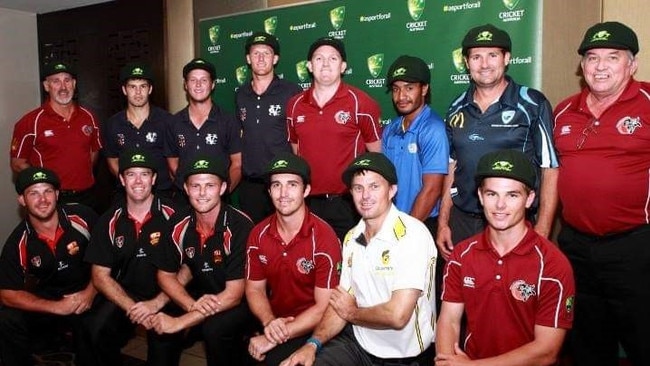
315	342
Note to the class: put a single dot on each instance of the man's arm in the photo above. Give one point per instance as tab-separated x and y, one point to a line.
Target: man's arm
93	158
172	164
18	164
547	201
174	288
448	326
294	148
27	301
230	297
374	146
234	172
258	301
444	240
113	165
428	196
543	350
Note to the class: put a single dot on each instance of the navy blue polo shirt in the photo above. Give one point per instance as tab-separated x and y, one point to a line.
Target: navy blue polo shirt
118	134
221	258
520	120
264	123
220	135
117	245
27	263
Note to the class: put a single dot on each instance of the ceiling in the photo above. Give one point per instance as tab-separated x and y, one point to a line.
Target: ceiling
46	6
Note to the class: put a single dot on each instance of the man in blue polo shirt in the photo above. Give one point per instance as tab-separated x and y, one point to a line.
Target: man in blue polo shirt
494	113
415	141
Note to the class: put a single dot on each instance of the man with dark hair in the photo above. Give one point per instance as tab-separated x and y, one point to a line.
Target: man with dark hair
44	283
261	110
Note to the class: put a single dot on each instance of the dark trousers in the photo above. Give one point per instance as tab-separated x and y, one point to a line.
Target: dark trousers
336	210
254	199
20	329
225	336
282	351
110	330
612	275
344	350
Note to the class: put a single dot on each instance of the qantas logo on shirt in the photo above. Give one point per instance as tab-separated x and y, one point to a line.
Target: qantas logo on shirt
468	282
522	291
627	125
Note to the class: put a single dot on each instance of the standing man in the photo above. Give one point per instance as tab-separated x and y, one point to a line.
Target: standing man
207	244
330	124
383	311
44	282
293	261
415	141
122	270
60	135
261	108
140	126
515	287
603	139
202	128
494	113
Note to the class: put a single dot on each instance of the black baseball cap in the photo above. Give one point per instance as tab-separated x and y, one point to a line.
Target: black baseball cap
289	163
136	70
135	158
33	175
206	165
55	67
609	35
199	63
511	164
374	161
327	41
263	38
486	36
410	69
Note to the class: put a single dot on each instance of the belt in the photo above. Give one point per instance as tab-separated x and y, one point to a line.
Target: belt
72	192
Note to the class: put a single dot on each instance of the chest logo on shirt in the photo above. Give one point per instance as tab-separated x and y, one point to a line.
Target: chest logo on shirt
457	120
36	261
627	125
242	114
385	257
263	259
73	248
565	130
48	133
151	137
469	282
413	148
206	267
350	260
121	140
274	110
62	265
342	117
119	242
190	252
141	253
522	291
87	130
180	140
507	116
568	304
217	257
211	139
304	265
154	238
300	119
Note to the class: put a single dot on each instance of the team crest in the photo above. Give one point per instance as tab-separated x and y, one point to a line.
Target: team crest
242	114
217	258
36	261
189	252
180	140
568	305
507	116
522	291
151	137
385	257
274	110
87	130
154	238
627	125
121	140
304	265
342	117
211	139
73	248
119	242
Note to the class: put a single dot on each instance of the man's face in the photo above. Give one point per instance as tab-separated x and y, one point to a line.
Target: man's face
137	92
607	71
204	192
487	65
326	65
138	183
504	202
372	195
40	201
262	59
288	193
408	97
60	87
199	85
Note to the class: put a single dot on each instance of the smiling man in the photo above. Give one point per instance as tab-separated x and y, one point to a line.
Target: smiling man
515	287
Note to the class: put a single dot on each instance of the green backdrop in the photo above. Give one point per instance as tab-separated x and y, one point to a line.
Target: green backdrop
375	33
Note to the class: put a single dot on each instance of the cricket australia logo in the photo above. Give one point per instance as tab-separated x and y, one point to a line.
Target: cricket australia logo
151	137
627	125
211	139
522	291
274	110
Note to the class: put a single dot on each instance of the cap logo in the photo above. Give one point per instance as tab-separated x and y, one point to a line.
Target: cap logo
503	165
199	62
39	176
138	158
259	39
399	72
201	164
59	67
363	162
137	71
485	36
603	35
280	164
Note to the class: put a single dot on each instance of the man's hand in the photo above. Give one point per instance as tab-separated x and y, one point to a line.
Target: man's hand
69	304
343	303
277	331
141	311
207	305
163	323
459	358
443	242
259	345
305	355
